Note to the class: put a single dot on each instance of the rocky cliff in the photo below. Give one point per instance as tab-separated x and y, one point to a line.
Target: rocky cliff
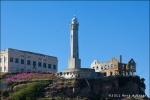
107	87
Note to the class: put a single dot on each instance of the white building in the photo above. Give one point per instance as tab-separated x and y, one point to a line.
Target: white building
12	60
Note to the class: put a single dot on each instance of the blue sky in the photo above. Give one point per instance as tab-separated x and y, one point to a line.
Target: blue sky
106	29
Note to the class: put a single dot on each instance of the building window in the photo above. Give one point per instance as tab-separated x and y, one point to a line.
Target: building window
44	65
105	67
130	66
97	67
28	62
39	64
119	72
54	66
34	63
133	67
112	65
16	60
0	59
0	69
111	73
11	59
108	66
5	59
49	65
4	68
22	61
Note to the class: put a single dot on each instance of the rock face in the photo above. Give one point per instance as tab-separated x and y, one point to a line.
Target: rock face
108	87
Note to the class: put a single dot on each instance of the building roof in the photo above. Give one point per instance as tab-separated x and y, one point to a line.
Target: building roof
28	52
74	20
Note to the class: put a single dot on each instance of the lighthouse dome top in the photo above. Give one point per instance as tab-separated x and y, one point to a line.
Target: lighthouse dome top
74	20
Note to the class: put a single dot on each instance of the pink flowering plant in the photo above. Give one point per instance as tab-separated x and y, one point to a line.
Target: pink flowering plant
29	76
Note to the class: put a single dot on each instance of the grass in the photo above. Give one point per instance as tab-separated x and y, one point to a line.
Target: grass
30	92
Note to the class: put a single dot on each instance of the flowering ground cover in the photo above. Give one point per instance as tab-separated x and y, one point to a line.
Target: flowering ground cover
28	76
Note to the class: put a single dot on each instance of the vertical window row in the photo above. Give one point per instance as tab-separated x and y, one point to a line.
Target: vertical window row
16	60
39	64
34	63
0	59
11	59
49	66
44	65
28	62
22	61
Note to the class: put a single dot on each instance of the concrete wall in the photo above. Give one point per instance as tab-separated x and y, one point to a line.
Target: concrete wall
78	73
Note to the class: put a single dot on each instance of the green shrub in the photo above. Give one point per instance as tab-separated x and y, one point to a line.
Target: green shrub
44	99
142	84
136	79
19	87
5	93
30	92
95	97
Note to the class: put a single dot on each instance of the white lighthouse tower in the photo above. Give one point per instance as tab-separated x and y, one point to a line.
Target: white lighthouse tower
74	61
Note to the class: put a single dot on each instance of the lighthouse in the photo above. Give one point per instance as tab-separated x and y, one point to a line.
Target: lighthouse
74	61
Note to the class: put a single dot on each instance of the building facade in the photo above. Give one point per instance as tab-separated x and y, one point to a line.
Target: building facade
115	67
14	61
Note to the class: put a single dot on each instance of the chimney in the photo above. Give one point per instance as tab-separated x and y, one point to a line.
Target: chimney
120	58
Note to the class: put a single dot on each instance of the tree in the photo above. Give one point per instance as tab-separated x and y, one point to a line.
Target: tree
142	80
